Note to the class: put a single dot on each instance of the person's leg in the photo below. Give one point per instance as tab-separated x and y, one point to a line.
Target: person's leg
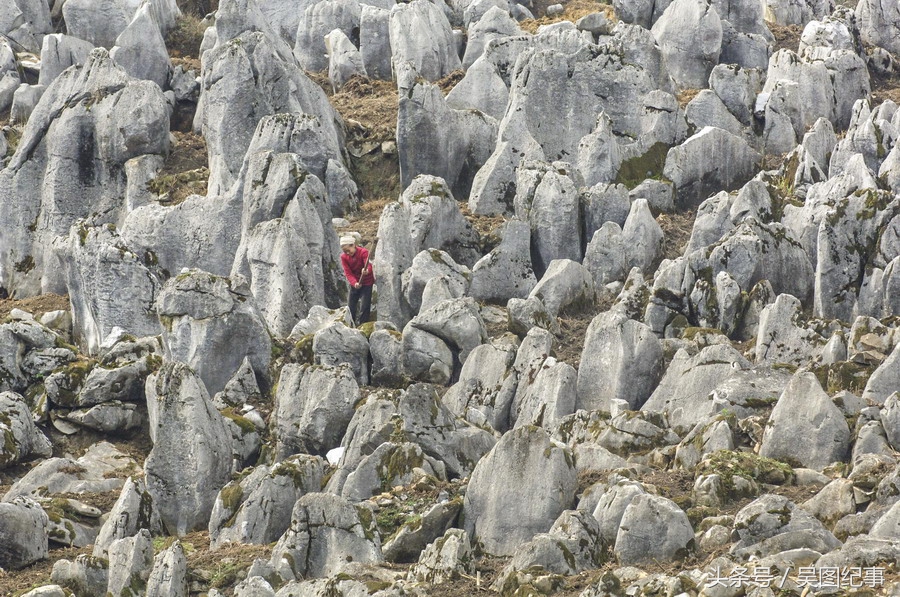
366	307
353	303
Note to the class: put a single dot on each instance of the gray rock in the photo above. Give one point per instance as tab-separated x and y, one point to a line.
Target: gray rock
605	255
85	575
22	440
228	81
781	337
168	578
425	357
59	52
525	314
313	406
375	41
522	463
97	22
611	507
132	511
444	559
456	322
420	35
326	533
823	427
339	344
496	23
390	465
695	177
547	198
566	284
434	138
141	50
737	88
430	264
130	563
506	271
689	33
316	22
386	349
184	484
24	533
425	217
257	509
704	439
486	386
549	398
240	389
878	24
413	536
833	502
642	237
884	380
621	360
653	528
706	109
771	524
98	260
209	325
344	60
689	392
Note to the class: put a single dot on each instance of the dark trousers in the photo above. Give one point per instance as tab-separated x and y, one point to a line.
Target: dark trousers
363	295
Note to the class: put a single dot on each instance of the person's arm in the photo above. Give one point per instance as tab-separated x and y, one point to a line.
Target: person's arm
345	263
367	265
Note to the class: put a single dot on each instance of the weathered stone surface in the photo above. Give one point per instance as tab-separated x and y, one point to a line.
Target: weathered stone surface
653	528
23	533
168	578
184	484
771	524
326	533
141	50
695	177
425	217
210	325
257	508
130	563
689	33
22	440
522	463
421	36
313	407
132	511
444	559
506	271
885	379
805	411
486	387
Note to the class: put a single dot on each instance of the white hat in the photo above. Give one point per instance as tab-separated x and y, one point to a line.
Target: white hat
348	240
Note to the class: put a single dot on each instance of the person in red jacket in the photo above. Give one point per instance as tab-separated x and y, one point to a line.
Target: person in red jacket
358	269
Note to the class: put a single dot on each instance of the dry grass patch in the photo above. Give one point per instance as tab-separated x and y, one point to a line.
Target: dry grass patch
36	305
676	229
572	11
184	40
184	172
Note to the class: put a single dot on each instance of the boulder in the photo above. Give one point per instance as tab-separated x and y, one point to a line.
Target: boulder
327	532
184	484
524	462
59	52
344	60
485	388
771	524
257	508
132	512
885	379
211	326
642	237
313	406
621	360
421	36
506	271
339	344
23	530
653	529
689	34
141	50
805	411
695	178
565	285
97	22
168	577
444	559
430	264
317	21
130	563
22	440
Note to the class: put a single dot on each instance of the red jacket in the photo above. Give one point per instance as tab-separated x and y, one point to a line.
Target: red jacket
353	265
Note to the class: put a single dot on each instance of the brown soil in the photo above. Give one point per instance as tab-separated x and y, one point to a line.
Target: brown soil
198	8
365	221
184	172
786	36
676	229
36	305
488	228
572	11
571	338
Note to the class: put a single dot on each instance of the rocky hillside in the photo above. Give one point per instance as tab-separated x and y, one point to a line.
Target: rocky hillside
637	304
